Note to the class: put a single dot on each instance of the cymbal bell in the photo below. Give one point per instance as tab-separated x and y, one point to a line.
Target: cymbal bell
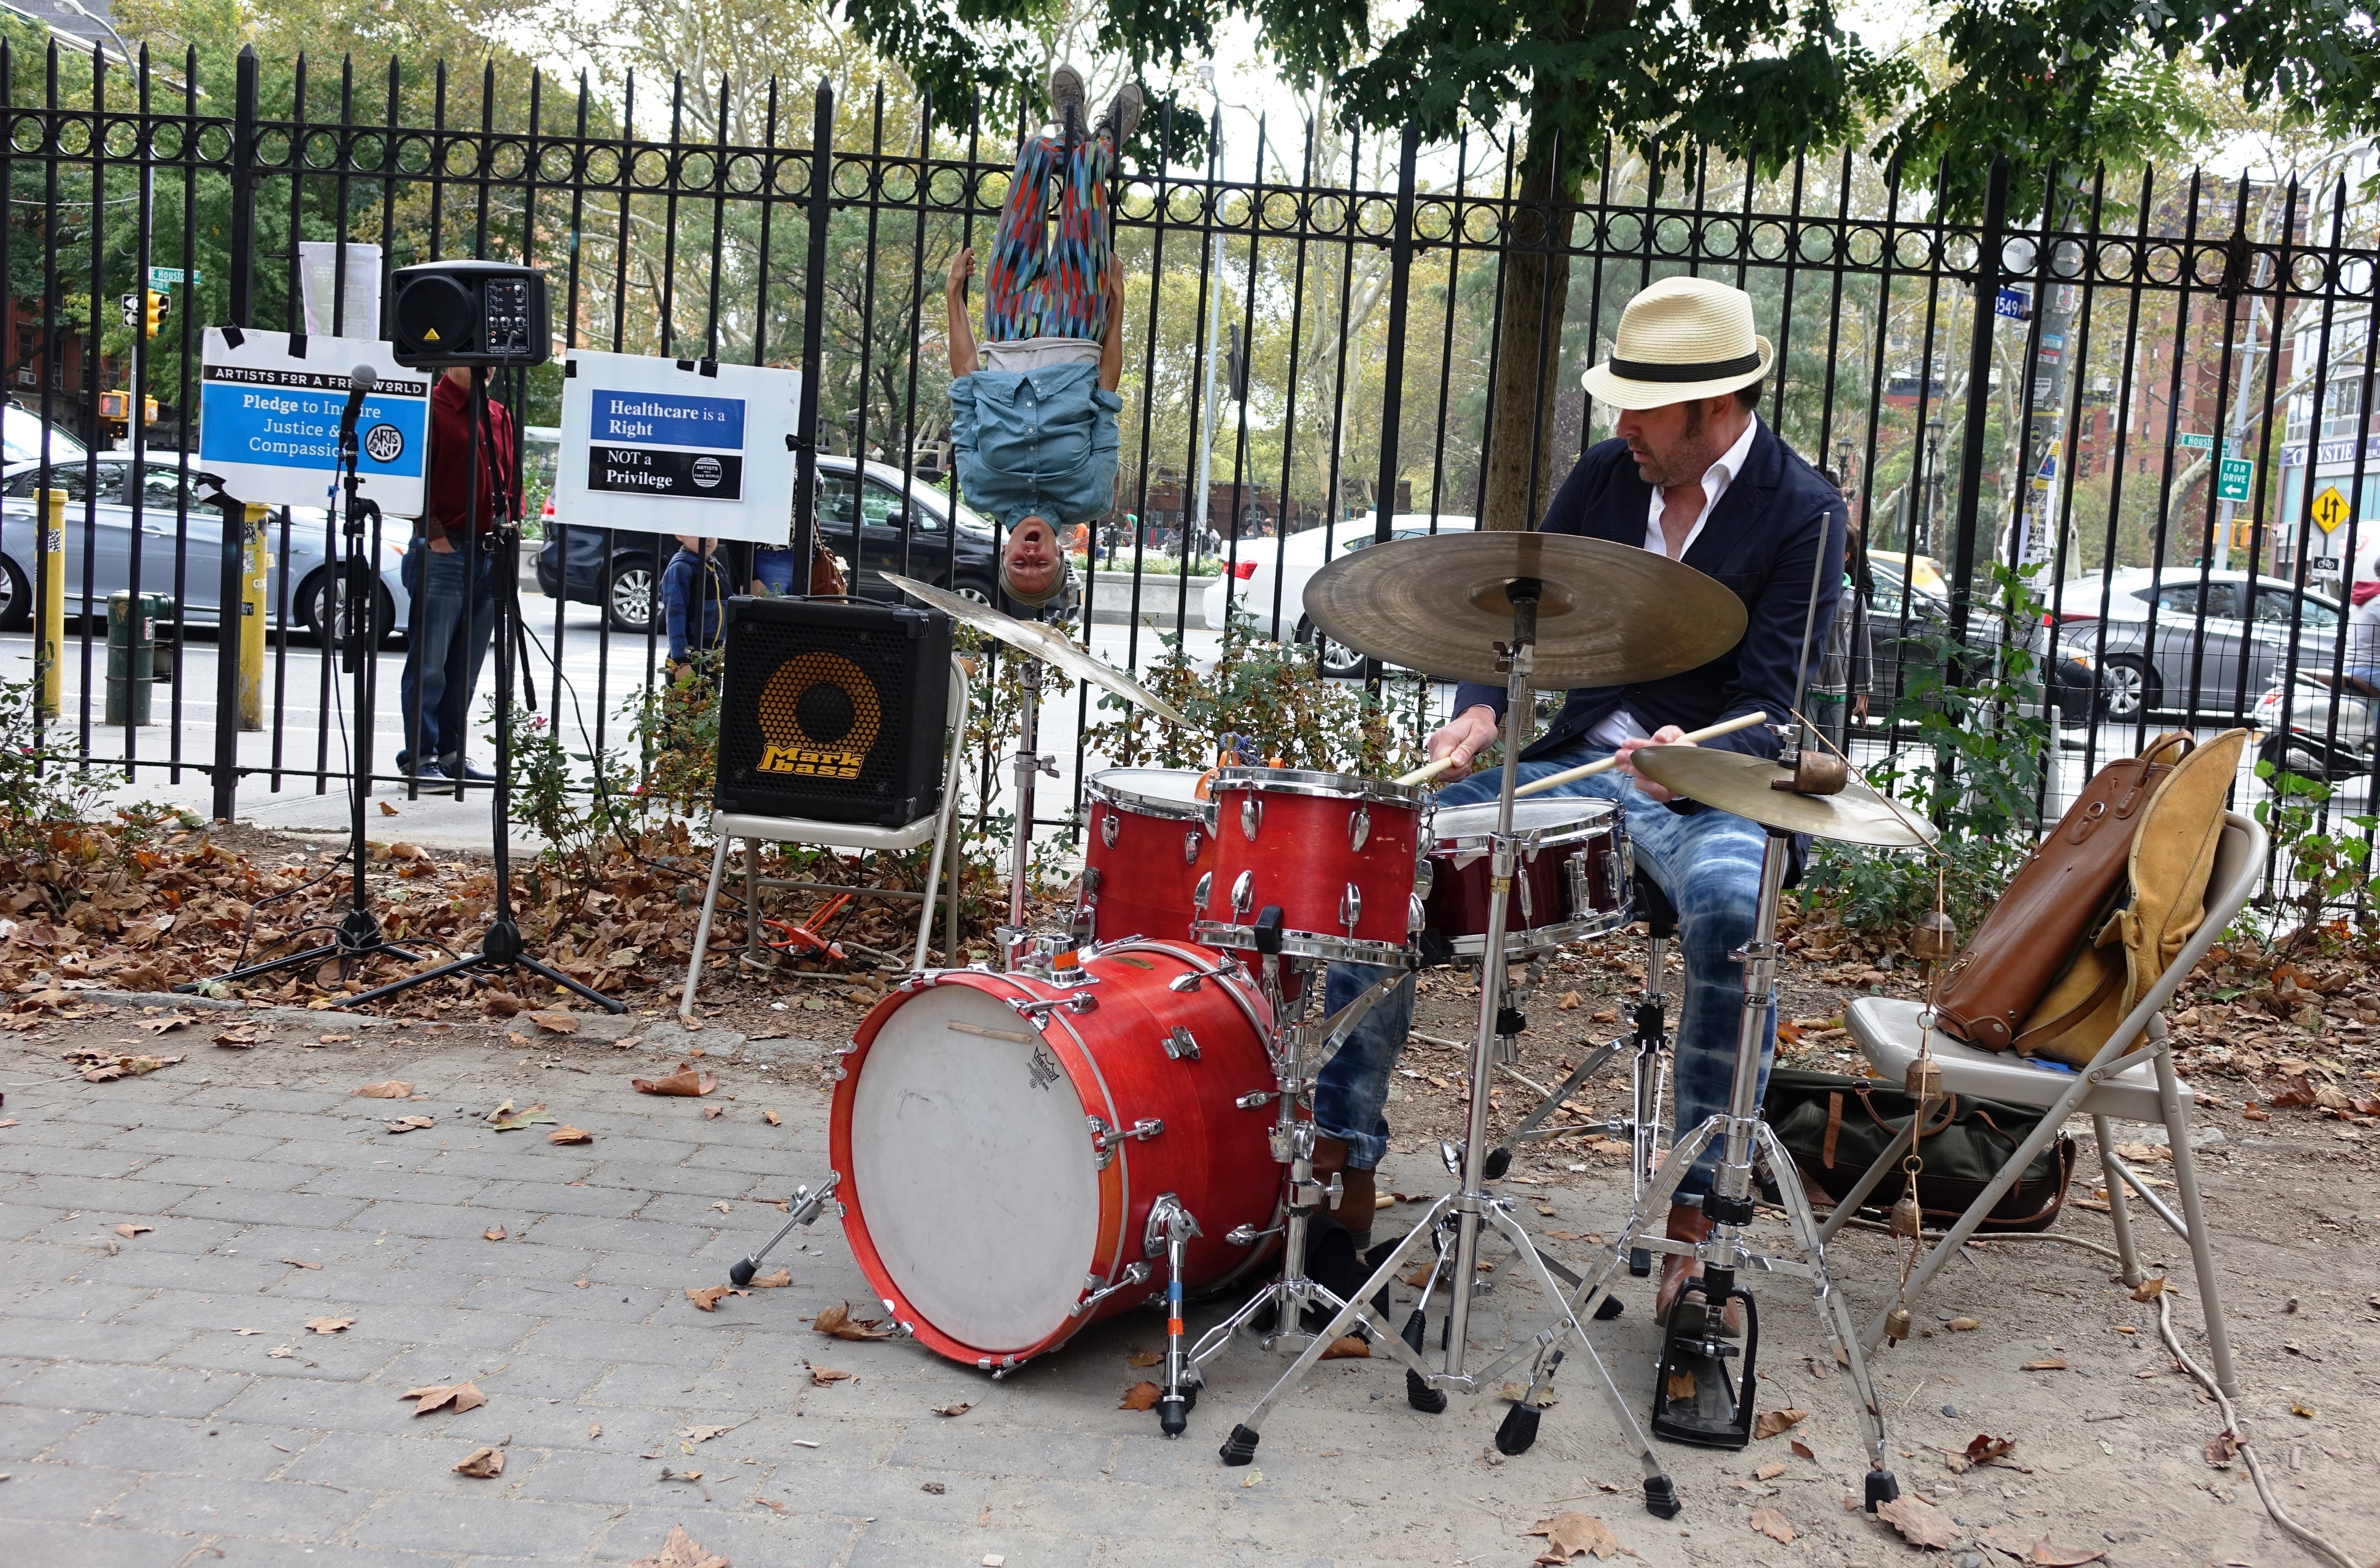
1608	614
1037	642
1731	780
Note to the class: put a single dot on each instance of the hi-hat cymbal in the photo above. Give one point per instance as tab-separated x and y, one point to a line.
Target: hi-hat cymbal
1036	640
1607	613
1731	781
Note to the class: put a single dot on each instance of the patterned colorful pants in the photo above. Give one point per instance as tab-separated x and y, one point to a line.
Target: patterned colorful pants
1044	286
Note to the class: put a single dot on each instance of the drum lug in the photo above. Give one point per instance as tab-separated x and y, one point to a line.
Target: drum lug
1190	842
1575	875
1108	826
1092	1295
1529	902
1425	877
1181	1045
1102	1148
1104	1137
1256	1099
1206	885
1251	816
1616	870
1351	908
1359	827
1243	890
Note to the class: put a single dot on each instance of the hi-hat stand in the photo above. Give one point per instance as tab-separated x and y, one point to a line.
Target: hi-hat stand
356	628
502	948
1472	1208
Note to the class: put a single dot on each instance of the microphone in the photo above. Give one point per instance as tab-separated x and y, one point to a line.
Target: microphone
360	380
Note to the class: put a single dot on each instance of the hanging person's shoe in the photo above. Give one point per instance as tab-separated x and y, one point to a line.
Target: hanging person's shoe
1122	117
1066	94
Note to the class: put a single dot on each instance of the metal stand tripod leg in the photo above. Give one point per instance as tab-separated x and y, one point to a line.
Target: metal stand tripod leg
805	1208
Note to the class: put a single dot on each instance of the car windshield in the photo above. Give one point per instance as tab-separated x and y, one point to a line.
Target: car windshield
20	438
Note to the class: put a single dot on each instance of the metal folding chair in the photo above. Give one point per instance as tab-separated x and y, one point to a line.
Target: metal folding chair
2138	1086
727	827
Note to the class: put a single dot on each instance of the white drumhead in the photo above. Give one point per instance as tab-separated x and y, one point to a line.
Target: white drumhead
973	1169
1162	792
1551	813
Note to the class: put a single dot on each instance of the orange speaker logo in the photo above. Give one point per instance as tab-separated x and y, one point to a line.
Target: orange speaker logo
791	748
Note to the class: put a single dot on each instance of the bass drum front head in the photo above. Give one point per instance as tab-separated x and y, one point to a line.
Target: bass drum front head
971	1169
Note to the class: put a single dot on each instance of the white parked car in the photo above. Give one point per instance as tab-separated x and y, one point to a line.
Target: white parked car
1268	582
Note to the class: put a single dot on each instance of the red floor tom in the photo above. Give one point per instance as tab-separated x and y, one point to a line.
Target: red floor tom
1338	854
1150	839
1571	881
1001	1139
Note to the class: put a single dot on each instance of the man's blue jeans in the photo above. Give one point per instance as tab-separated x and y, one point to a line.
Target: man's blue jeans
1708	864
442	664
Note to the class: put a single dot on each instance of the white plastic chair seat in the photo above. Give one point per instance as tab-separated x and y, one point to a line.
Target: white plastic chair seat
830	835
1886	1030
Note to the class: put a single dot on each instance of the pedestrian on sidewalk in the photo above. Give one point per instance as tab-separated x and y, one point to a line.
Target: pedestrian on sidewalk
450	570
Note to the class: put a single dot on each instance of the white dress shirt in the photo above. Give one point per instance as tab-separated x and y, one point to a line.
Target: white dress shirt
1620	725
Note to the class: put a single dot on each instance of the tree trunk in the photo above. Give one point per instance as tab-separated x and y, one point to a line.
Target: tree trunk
1529	343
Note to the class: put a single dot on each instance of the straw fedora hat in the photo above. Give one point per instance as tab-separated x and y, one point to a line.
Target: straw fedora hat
1681	339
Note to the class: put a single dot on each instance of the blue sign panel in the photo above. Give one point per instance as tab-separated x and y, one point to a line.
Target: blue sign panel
269	424
2014	303
652	418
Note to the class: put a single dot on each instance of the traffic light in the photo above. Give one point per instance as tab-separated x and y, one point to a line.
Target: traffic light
159	303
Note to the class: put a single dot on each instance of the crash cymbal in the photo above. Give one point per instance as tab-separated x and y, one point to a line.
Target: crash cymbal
1731	781
1607	613
1036	640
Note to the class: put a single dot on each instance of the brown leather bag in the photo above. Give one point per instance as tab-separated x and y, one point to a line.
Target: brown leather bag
826	572
2056	898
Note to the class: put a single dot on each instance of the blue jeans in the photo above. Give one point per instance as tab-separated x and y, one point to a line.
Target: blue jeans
442	664
1708	863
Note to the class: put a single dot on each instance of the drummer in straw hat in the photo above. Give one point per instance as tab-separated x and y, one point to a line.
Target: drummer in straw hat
1692	472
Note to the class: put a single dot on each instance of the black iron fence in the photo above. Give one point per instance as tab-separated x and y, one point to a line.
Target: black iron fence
2147	395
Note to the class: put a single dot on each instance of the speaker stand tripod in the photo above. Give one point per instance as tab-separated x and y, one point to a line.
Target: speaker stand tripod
502	948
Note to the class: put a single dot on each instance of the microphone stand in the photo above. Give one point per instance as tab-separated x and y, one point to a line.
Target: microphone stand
502	948
356	632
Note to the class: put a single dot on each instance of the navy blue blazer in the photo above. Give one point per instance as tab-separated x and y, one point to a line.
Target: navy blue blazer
1762	540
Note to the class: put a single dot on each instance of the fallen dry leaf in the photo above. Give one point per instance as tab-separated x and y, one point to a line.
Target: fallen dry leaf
961	1408
569	1134
281	1352
554	1020
2048	1554
465	1395
1143	1358
2046	1364
410	1124
1142	1395
329	1325
703	1434
1768	1472
1569	1533
242	1037
2150	1288
838	1322
1802	1450
777	1281
723	1207
2222	1449
594	1429
129	1231
1682	1386
390	1088
772	1502
299	1263
2307	1411
1961	1325
501	1005
484	1463
105	1066
707	1297
243	1333
821	1377
679	1551
685	1080
712	1113
495	1233
1771	1422
1919	1522
1570	999
1984	1447
1348	1347
1770	1523
2296	1090
772	1118
163	1025
535	1116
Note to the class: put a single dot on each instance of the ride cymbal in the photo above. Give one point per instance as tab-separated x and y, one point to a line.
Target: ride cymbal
1036	640
1608	614
1731	781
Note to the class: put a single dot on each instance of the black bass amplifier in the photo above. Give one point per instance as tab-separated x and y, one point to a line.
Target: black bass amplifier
834	711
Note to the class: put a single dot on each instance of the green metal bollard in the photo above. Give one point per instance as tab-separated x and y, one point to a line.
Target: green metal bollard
131	655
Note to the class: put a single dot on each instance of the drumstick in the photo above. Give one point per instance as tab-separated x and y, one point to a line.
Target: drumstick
1426	772
1691	737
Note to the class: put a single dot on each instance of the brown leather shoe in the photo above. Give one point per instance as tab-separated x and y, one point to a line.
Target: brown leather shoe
1679	1275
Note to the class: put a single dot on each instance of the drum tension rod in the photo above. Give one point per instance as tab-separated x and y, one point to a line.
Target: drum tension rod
1082	1002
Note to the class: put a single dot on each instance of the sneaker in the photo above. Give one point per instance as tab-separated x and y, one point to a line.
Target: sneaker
1066	94
431	773
454	766
1124	115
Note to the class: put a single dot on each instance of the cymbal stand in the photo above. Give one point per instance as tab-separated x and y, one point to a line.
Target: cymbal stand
1471	1207
1741	1132
1029	764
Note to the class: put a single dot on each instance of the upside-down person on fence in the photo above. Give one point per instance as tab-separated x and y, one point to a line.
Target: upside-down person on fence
1693	474
1033	409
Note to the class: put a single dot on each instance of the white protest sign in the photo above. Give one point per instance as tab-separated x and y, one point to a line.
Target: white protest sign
317	285
269	423
659	446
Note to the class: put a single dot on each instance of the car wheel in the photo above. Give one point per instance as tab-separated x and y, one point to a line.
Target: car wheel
1333	658
630	598
2128	689
321	597
972	591
2294	754
16	596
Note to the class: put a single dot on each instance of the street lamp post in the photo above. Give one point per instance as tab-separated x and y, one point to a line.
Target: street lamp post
1933	478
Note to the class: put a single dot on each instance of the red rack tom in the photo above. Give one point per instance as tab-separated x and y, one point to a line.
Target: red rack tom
1150	840
1338	854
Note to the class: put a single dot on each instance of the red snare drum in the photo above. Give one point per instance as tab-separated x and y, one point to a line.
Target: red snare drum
1337	853
1571	881
999	1149
1150	839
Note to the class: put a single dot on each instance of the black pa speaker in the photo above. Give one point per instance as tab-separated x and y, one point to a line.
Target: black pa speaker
834	711
491	313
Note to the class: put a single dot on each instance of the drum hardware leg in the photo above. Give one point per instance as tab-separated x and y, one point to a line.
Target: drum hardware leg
807	1207
1170	1226
1029	764
1499	1159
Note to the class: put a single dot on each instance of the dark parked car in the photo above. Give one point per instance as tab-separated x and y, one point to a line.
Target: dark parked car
1902	662
625	582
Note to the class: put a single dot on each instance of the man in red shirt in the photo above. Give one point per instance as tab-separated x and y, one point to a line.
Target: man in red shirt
451	573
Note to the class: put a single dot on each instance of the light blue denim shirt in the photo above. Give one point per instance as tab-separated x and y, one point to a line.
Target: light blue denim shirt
1041	442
